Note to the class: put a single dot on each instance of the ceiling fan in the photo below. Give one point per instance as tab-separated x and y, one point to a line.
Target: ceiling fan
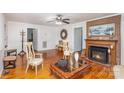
59	20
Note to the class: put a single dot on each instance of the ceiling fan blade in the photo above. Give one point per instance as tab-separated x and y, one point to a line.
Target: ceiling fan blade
51	21
65	22
66	19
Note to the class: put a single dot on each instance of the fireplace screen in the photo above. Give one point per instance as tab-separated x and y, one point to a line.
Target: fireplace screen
99	54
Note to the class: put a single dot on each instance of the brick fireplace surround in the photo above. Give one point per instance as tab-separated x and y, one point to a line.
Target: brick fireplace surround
113	44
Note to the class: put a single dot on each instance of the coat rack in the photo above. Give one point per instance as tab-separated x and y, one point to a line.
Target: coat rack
22	52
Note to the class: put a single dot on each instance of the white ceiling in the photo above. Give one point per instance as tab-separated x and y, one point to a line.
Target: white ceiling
42	18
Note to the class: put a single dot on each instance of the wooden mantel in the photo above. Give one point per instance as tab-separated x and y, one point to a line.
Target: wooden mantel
101	40
110	44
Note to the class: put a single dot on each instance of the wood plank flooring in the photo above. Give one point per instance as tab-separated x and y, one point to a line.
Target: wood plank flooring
98	71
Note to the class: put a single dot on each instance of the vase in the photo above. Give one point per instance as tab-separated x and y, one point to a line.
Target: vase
76	57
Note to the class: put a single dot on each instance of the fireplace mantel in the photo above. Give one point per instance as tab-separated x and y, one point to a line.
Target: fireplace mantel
111	40
110	44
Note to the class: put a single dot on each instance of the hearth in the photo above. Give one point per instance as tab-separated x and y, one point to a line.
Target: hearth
99	54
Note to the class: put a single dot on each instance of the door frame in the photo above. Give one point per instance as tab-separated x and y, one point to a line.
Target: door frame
81	37
33	36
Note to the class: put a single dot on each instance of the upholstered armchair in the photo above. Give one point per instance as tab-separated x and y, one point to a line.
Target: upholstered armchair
66	52
62	44
32	57
65	43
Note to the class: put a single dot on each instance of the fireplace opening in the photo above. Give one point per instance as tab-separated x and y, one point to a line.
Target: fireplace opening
99	54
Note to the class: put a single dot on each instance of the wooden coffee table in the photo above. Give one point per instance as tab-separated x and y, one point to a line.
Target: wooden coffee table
75	74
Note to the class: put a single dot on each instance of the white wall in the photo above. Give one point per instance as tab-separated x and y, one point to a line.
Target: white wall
70	30
122	39
70	34
45	33
49	34
2	22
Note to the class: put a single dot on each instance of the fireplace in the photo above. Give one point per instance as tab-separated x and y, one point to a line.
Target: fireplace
99	54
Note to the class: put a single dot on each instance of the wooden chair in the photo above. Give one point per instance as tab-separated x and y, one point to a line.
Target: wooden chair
32	60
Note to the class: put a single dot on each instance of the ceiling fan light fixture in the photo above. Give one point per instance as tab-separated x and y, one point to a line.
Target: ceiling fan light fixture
58	23
59	20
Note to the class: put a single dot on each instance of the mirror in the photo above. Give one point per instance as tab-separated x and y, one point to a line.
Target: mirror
63	34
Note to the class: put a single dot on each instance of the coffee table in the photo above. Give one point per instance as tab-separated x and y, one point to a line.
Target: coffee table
65	73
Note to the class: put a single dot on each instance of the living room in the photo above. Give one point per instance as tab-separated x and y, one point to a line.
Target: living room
47	37
53	46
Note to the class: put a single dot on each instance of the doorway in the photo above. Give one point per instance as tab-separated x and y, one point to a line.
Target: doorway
32	36
78	36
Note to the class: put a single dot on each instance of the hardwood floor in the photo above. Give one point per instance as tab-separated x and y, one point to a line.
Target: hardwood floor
98	71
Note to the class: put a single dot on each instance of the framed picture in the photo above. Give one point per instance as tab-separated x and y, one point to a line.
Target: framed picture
102	30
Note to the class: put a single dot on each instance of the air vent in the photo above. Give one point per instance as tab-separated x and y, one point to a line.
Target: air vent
44	44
